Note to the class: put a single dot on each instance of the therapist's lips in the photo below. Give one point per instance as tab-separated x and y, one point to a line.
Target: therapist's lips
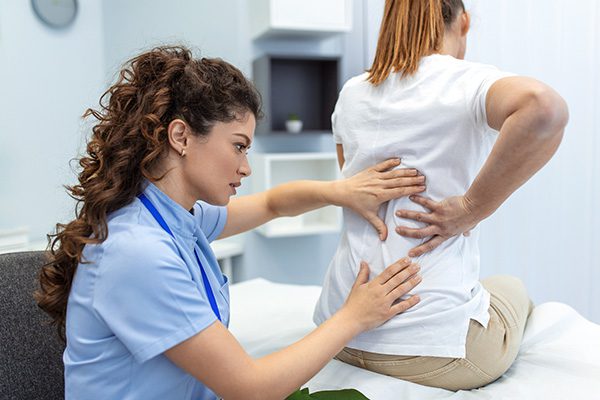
234	185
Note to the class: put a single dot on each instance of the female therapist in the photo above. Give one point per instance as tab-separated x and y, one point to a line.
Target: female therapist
132	282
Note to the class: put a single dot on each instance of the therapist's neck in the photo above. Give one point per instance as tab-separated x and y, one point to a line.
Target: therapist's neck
172	184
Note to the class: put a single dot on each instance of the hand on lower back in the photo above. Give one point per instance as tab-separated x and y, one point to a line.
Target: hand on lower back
447	218
374	302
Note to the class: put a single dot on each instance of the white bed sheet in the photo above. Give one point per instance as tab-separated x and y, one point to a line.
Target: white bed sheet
559	357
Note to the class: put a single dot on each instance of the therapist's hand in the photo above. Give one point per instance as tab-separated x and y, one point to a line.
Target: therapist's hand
366	191
447	218
371	303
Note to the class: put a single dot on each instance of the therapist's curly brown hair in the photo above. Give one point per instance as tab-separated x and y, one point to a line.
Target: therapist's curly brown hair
128	140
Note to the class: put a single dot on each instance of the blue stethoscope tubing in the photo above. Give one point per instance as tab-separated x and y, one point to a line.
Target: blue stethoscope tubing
209	293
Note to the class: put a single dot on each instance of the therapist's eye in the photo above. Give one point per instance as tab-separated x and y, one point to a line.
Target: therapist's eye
242	148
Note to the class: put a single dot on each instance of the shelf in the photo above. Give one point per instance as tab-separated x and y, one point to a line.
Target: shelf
309	132
297	18
272	169
225	249
13	240
303	85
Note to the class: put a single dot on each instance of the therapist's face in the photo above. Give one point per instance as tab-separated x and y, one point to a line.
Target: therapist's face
217	163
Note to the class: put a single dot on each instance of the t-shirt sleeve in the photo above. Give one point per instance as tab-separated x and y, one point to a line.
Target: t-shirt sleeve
211	219
479	79
337	122
335	127
147	298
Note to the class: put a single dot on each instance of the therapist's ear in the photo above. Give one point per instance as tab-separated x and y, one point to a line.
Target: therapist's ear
178	133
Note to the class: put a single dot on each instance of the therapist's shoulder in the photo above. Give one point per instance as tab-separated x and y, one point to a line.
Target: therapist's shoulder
141	255
133	240
138	259
210	218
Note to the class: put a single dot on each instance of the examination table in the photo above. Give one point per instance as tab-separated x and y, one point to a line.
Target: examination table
559	356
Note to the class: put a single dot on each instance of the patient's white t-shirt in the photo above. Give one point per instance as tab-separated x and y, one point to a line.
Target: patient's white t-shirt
435	121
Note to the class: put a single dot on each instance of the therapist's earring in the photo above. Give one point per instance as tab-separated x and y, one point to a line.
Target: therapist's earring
182	152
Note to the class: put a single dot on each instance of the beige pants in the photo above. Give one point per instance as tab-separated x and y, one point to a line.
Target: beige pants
489	353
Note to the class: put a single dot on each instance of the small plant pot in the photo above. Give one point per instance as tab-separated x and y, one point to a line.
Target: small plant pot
293	125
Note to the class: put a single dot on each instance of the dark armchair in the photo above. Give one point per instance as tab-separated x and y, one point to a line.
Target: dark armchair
30	352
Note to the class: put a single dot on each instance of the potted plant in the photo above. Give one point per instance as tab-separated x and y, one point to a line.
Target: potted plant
293	123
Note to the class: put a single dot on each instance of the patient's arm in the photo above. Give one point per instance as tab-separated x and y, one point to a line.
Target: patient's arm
363	193
215	357
531	118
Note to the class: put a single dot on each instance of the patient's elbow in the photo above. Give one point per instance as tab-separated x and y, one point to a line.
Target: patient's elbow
547	112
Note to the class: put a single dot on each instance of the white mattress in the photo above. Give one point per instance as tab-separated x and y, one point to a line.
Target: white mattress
559	357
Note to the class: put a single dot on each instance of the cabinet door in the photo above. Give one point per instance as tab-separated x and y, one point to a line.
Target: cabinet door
301	17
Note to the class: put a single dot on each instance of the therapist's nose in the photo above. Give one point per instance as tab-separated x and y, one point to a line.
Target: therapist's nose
245	169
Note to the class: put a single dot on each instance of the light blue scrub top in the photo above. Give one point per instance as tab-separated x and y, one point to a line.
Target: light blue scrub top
141	294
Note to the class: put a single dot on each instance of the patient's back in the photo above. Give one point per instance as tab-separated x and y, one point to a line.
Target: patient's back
435	122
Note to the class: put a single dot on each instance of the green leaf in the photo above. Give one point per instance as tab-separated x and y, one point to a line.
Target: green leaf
344	394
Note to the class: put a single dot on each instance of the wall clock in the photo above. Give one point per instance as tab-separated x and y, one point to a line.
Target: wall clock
55	13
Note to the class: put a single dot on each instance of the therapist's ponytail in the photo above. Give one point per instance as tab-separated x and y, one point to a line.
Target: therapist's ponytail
410	30
128	141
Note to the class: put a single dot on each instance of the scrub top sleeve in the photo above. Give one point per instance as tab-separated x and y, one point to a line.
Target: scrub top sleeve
210	218
479	81
146	296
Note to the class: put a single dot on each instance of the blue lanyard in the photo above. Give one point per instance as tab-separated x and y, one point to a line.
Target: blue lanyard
163	224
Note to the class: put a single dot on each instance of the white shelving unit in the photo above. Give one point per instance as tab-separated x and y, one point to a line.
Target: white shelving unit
272	169
14	239
283	18
225	250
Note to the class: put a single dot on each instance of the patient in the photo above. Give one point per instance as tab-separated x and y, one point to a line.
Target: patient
422	102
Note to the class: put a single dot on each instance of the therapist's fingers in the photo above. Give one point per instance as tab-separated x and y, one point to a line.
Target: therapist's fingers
427	246
392	270
405	304
387	165
405	181
397	192
377	223
363	275
403	281
399	173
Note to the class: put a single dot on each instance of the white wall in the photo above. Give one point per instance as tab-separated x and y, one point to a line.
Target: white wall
47	78
217	29
547	232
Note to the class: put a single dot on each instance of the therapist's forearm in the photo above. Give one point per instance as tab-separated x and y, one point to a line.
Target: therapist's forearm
286	370
294	198
528	139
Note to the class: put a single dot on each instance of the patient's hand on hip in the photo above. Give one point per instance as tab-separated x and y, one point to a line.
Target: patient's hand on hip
447	218
374	302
